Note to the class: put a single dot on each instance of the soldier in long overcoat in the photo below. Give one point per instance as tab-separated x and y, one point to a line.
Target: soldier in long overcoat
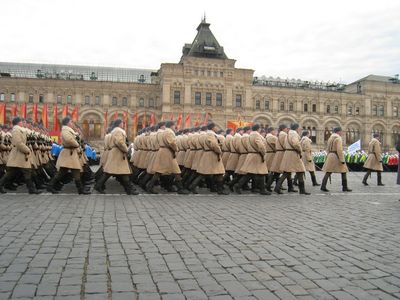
69	158
165	159
254	165
275	169
307	156
374	160
117	161
335	162
19	159
292	161
210	164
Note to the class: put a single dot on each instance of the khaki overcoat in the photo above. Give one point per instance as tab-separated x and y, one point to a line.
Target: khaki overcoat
117	161
165	159
198	141
191	152
280	151
243	153
335	162
270	146
235	154
226	149
307	154
255	158
69	155
20	153
210	161
107	148
374	160
292	161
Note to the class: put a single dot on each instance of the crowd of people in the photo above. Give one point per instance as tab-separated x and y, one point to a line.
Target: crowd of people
249	158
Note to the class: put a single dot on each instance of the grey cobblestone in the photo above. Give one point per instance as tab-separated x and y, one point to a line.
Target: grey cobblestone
330	246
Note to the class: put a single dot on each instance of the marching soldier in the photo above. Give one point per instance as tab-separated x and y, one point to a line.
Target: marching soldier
270	149
226	150
233	158
254	166
307	156
19	159
292	161
117	161
69	159
374	160
210	163
335	162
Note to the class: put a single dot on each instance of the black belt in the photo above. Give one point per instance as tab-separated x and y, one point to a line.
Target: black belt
291	150
270	151
280	150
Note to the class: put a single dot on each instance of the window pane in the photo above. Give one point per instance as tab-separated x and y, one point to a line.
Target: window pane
197	98
305	107
12	98
357	110
266	105
2	97
69	99
258	104
114	101
30	99
177	97
350	110
374	110
219	99
336	109
97	100
328	109
87	100
290	106
238	100
59	99
282	106
124	101
151	102
208	98
141	102
314	108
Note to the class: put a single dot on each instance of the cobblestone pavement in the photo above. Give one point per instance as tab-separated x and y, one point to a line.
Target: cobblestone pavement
323	246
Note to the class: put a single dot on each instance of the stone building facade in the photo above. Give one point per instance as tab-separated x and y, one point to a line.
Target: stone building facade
206	81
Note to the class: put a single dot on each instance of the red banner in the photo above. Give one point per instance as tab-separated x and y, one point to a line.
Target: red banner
23	110
134	123
237	124
2	114
64	112
45	119
206	119
125	119
179	122
55	118
197	123
14	110
152	119
187	121
34	113
74	114
144	120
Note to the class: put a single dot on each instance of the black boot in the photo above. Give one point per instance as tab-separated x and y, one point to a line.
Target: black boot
144	179
278	186
314	179
100	184
324	182
366	177
220	188
270	180
151	183
261	185
237	188
379	174
345	188
196	181
290	185
31	187
295	181
181	189
128	187
80	188
51	185
235	180
302	189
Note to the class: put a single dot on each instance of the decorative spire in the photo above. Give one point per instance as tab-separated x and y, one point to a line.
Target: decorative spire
204	18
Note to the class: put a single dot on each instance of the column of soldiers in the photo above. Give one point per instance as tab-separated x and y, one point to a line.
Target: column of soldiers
251	158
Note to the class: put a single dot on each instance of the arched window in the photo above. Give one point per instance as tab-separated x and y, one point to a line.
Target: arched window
395	111
305	107
69	99
124	101
114	101
328	109
336	109
291	106
314	108
381	110
151	102
357	110
30	99
141	102
266	105
87	100
374	110
12	98
282	106
395	135
350	110
257	104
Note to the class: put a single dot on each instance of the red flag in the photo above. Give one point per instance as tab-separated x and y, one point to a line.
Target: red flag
34	113
14	110
187	121
197	123
125	117
45	120
172	116
179	122
105	122
64	112
55	118
206	119
23	110
2	114
144	120
152	119
115	115
74	114
134	123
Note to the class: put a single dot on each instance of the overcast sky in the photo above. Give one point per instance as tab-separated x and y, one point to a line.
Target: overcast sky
339	41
